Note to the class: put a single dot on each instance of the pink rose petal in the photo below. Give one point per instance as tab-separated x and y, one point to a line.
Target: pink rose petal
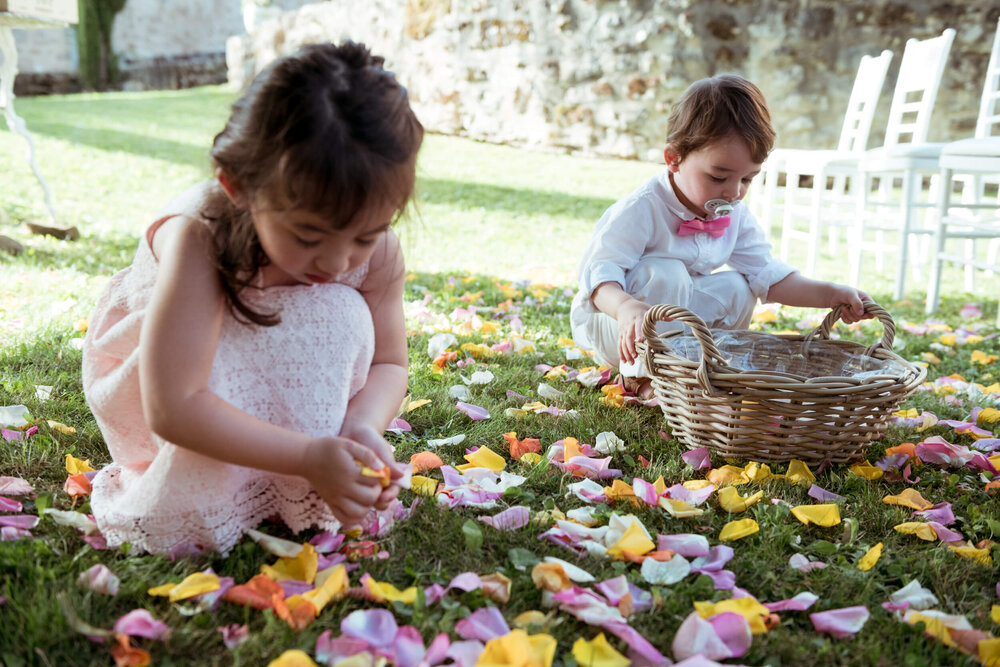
438	649
10	505
840	622
734	631
695	497
697	458
331	650
509	519
375	626
234	635
803	564
15	486
23	521
140	623
822	495
697	636
100	580
408	647
484	624
474	412
800	602
645	491
8	533
688	545
466	653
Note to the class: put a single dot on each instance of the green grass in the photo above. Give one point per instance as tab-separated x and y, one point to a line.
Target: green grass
488	216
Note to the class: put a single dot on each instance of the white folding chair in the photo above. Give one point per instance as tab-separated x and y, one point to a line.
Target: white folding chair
840	164
976	162
906	155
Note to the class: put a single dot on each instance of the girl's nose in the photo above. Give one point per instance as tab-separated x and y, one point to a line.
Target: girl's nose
334	263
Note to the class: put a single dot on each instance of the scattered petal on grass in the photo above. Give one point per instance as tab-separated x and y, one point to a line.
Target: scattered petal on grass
519	648
981	556
731	500
126	655
664	573
423	486
15	486
21	521
727	475
868	561
484	457
424	461
574	572
840	622
14	416
598	653
474	412
441	442
607	442
683	544
484	624
301	567
140	623
509	519
275	545
10	505
234	635
697	458
823	495
550	576
77	520
634	542
914	596
100	580
750	609
909	497
821	515
735	530
798	473
803	564
375	626
77	486
800	602
293	658
867	471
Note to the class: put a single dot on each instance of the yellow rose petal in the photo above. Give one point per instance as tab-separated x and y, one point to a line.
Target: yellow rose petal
62	428
821	515
518	648
413	405
528	618
933	626
162	590
922	530
678	508
735	530
909	497
981	556
758	472
75	466
995	613
598	653
634	541
531	458
423	486
550	577
331	585
484	457
727	475
194	584
300	568
989	651
868	561
695	484
799	473
867	471
385	592
731	500
293	658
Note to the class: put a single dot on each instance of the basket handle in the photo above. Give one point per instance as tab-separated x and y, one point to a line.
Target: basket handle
710	355
883	316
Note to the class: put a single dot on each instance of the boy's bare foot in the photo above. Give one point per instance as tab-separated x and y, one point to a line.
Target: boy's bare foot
641	387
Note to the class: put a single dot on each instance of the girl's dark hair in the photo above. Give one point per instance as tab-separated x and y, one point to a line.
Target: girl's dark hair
327	130
712	108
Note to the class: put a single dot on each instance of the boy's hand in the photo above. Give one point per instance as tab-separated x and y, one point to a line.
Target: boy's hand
852	300
630	315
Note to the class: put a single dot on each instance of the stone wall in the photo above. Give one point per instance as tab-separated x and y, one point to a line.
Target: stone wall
598	77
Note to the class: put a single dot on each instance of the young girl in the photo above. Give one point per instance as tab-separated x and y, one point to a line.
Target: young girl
662	243
247	362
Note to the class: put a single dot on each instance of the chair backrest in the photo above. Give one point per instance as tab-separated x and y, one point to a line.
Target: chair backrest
916	89
988	121
864	99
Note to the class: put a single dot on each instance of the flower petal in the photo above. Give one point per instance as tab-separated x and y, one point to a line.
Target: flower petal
840	622
140	623
375	626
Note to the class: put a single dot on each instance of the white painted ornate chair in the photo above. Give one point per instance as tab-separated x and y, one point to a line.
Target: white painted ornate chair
906	155
976	162
840	164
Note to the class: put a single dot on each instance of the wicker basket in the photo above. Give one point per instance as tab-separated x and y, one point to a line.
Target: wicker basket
770	415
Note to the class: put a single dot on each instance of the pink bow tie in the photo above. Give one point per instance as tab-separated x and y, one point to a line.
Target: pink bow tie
715	227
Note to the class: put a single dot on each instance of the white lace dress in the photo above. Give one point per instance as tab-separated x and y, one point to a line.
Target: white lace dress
299	374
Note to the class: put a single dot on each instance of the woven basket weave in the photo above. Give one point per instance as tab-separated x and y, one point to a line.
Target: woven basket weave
769	415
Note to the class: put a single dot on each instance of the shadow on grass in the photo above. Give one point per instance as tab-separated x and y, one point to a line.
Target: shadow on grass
93	255
473	196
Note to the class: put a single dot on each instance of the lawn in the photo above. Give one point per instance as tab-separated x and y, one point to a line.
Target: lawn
492	251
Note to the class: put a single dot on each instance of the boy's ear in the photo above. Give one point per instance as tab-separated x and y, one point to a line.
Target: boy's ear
232	190
672	159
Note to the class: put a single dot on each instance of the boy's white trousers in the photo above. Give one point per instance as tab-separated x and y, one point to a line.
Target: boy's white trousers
722	299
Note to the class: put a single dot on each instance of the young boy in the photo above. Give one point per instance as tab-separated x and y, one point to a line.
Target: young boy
662	243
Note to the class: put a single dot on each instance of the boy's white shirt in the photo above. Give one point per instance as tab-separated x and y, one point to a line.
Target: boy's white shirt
645	223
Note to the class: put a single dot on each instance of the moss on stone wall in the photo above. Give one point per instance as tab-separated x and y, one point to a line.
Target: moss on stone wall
98	63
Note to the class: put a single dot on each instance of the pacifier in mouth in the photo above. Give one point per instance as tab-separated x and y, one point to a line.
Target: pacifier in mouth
718	207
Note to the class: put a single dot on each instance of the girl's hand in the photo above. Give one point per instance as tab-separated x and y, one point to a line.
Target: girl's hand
852	300
369	437
331	465
630	315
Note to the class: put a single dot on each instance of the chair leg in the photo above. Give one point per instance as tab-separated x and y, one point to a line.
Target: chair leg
940	237
906	206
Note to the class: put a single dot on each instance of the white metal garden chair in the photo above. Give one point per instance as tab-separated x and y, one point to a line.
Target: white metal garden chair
976	162
906	155
840	164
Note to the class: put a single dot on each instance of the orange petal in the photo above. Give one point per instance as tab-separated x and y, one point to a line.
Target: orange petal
425	460
77	485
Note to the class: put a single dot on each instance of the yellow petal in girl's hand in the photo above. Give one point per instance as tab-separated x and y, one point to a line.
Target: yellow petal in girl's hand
735	530
383	474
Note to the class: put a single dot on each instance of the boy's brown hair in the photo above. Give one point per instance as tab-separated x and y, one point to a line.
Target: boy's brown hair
712	108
